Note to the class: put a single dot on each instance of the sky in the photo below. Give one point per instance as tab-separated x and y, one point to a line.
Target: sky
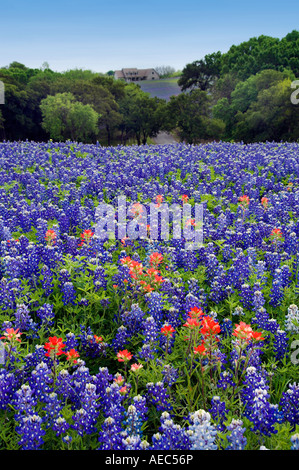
109	35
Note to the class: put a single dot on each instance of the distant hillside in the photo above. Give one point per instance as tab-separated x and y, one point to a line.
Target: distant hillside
164	88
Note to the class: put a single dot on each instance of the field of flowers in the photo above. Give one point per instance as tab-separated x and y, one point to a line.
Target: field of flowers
142	344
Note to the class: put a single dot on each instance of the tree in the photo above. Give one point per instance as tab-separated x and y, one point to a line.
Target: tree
64	118
165	71
102	101
142	115
190	113
201	73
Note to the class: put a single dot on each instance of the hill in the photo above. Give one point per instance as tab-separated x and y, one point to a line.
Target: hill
164	88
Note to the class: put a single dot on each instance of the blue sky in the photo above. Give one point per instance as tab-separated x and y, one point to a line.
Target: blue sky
108	35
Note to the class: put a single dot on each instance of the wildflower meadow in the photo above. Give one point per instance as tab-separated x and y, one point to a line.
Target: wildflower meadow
139	343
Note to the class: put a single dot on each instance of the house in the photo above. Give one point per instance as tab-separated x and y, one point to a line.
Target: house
136	75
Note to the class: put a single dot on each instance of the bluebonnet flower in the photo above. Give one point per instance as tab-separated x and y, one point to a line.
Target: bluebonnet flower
157	395
133	319
60	425
289	404
24	401
225	380
121	338
46	315
110	437
280	345
295	442
92	345
63	384
258	409
41	381
236	438
52	408
170	374
171	436
134	443
155	306
7	388
47	280
31	432
226	327
83	423
133	421
150	330
68	293
246	296
24	322
146	352
71	341
203	432
218	412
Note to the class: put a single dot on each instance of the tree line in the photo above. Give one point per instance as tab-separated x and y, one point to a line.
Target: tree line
242	95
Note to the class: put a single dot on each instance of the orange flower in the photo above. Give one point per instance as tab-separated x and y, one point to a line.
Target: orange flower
185	198
124	356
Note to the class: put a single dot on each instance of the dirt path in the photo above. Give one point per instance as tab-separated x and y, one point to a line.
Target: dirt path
163	138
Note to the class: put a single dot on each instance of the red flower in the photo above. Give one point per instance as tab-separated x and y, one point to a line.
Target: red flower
200	349
159	199
71	356
50	236
185	198
264	202
167	330
86	236
54	347
156	258
209	327
192	323
244	200
276	233
11	335
246	333
98	339
124	356
195	312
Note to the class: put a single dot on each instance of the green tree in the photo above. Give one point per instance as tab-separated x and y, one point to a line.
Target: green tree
201	73
142	115
190	114
64	118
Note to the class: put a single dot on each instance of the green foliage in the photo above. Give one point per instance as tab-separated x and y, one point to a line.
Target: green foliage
64	118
